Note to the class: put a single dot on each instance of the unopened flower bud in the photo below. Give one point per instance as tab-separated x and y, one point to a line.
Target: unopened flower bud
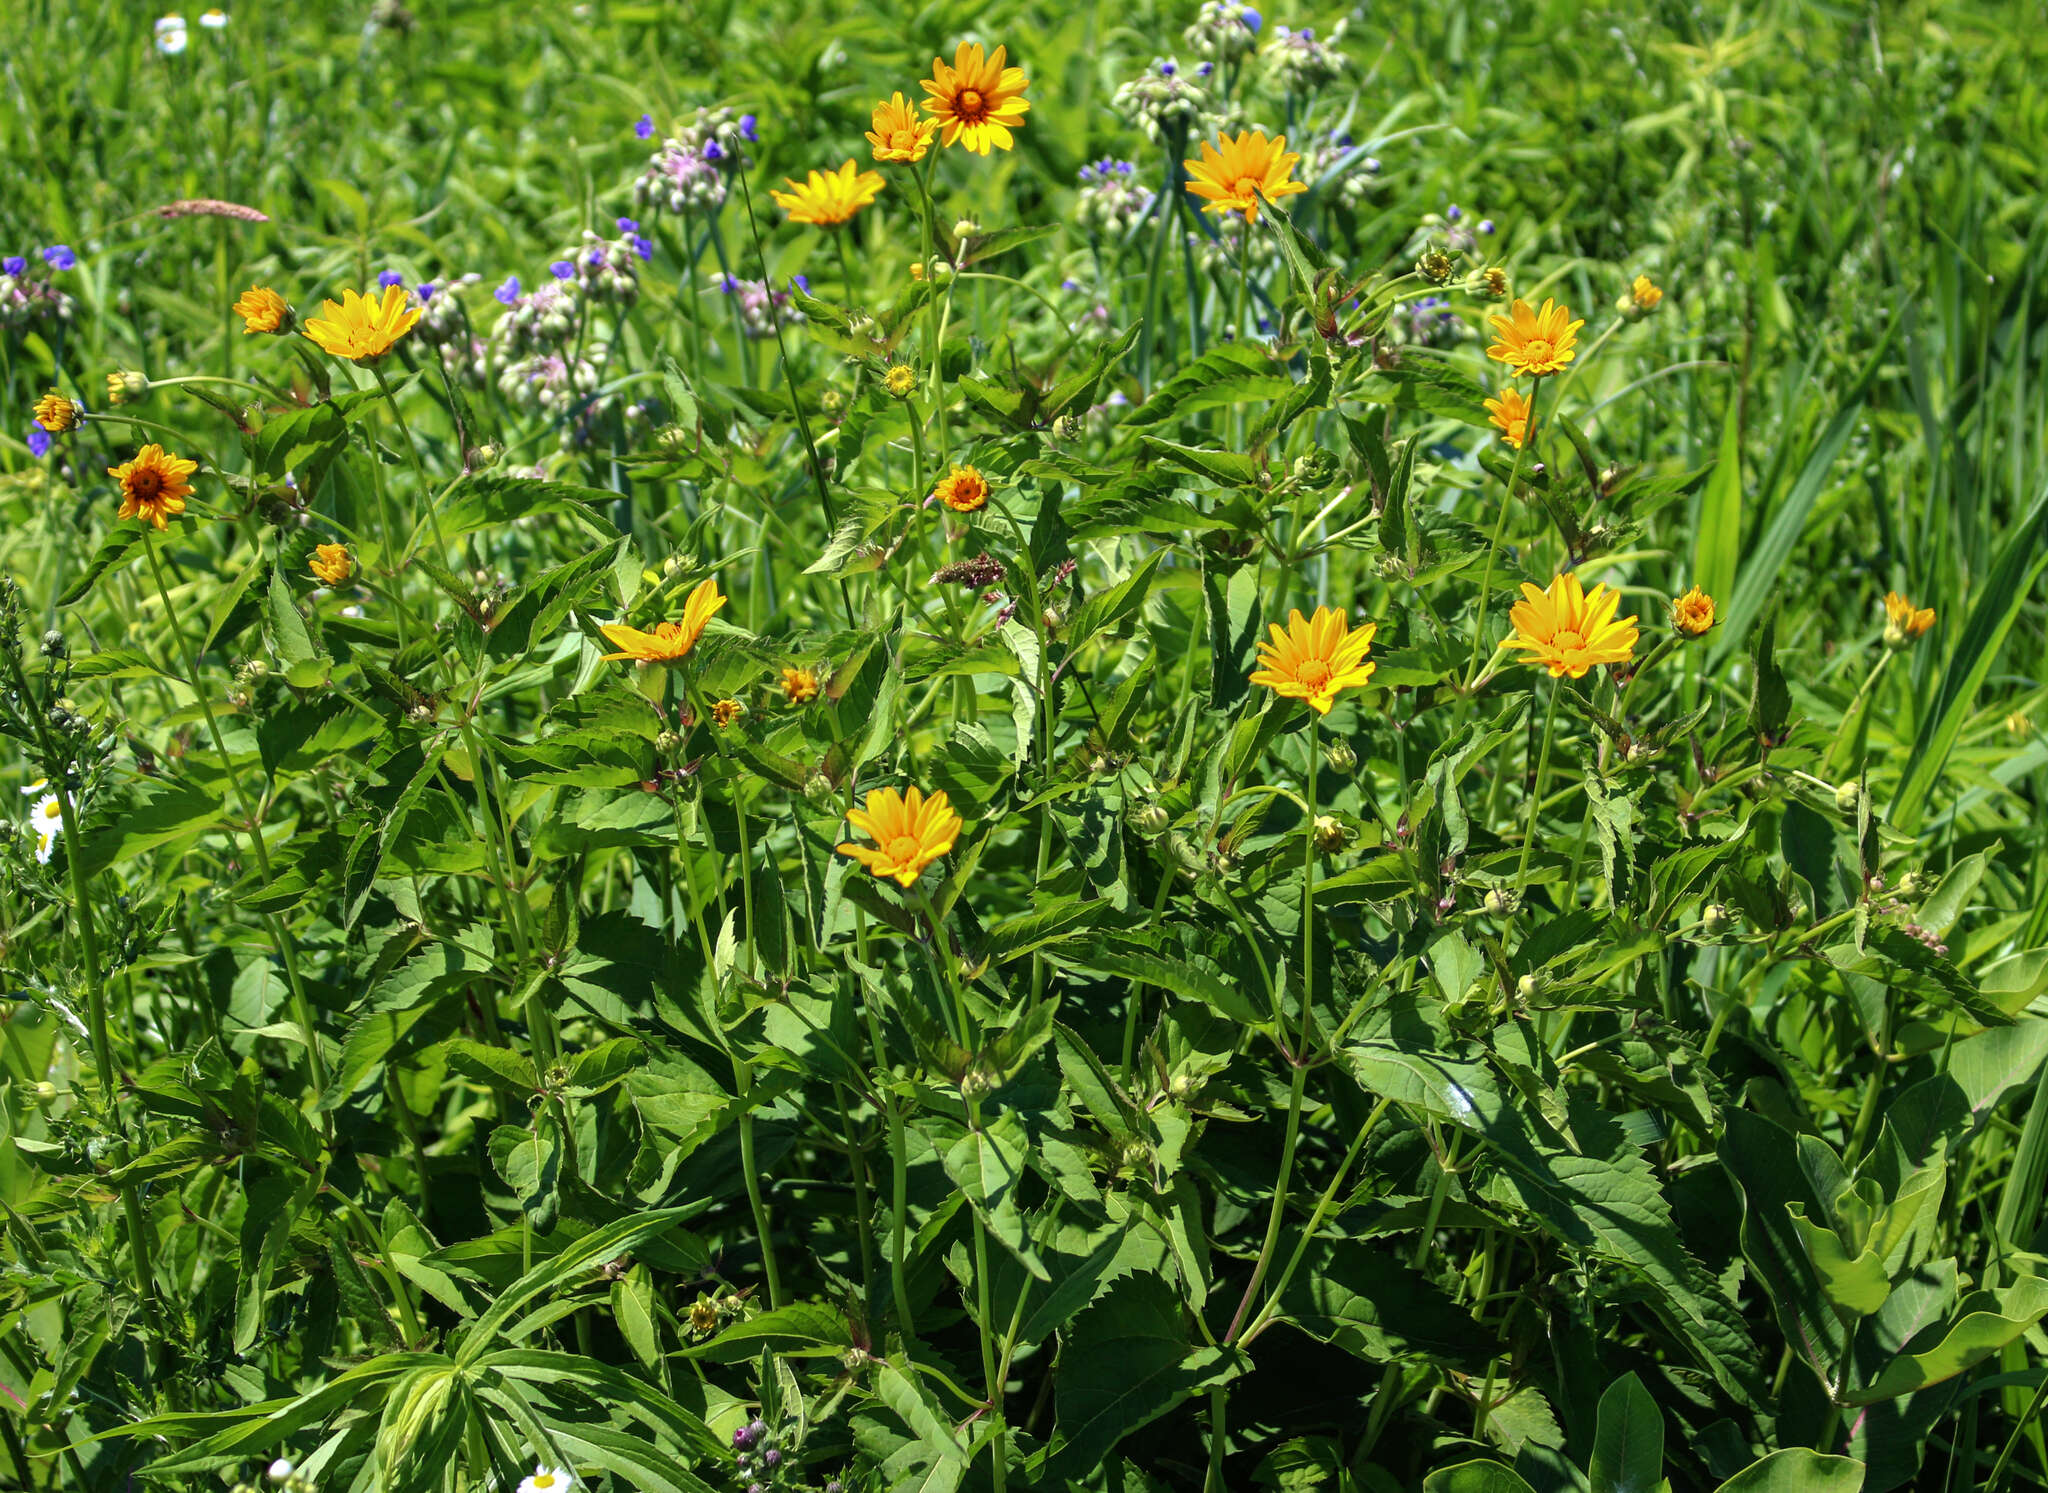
1435	266
1848	796
1494	282
280	1470
482	457
1500	902
667	743
966	228
1150	820
54	646
1716	918
46	1091
1529	986
1330	834
127	387
1339	757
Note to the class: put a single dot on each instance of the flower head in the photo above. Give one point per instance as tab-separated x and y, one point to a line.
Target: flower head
127	387
1316	658
60	257
1535	342
1234	174
39	442
977	101
799	685
897	134
214	20
331	564
57	414
1511	413
1569	630
1643	297
153	485
14	264
669	641
900	380
262	310
910	831
643	127
548	1479
47	820
829	197
725	712
963	490
360	329
1904	622
508	293
1693	613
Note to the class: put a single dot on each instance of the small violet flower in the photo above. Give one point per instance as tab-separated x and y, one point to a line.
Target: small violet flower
38	442
507	293
644	127
390	278
60	257
562	269
14	264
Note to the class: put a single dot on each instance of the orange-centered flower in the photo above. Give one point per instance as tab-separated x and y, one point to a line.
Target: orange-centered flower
1242	171
669	641
331	565
262	310
153	485
829	197
963	490
1511	414
910	831
799	685
1693	614
1904	622
360	329
1568	630
1535	342
1316	659
976	101
898	134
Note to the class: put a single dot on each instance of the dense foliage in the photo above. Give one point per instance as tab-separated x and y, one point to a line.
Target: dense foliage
690	819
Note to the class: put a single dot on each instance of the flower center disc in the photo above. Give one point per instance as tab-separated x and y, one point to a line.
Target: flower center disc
1538	351
146	484
1315	673
1569	638
970	103
903	849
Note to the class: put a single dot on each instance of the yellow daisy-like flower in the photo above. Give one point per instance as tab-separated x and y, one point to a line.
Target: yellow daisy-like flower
1569	630
1235	176
900	380
976	101
1904	622
829	197
1693	613
799	685
153	485
725	712
1510	413
262	310
669	641
1316	658
57	414
963	490
910	831
898	134
360	329
1535	342
1644	295
331	564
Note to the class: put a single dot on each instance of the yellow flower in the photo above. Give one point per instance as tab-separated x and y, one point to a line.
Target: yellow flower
262	310
359	328
127	387
153	485
1235	177
898	134
1535	342
1693	613
1903	621
1644	295
900	380
725	712
829	197
1511	414
800	685
1569	630
669	641
963	490
976	100
1316	659
331	565
57	414
910	831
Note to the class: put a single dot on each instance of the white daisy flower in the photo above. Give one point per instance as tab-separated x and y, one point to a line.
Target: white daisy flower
47	819
40	785
174	41
281	1470
171	22
214	20
548	1479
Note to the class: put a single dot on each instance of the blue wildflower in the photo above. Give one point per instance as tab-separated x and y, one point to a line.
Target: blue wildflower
1252	20
801	282
60	257
507	293
390	278
1486	226
628	225
1167	69
644	128
1205	69
14	264
644	247
748	129
426	291
562	269
713	151
38	442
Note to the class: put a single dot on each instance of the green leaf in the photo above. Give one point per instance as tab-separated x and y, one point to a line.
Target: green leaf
1476	1477
1359	1296
1717	544
497	1067
1797	1470
1857	1285
1628	1447
1990	1321
1126	1361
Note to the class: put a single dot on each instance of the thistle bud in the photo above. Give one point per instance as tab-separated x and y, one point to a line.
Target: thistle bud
668	743
54	646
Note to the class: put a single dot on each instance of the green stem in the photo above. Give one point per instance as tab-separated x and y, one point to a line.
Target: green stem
1507	503
1536	790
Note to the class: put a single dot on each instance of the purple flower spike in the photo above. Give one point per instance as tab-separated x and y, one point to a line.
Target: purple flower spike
507	293
562	269
644	127
60	257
